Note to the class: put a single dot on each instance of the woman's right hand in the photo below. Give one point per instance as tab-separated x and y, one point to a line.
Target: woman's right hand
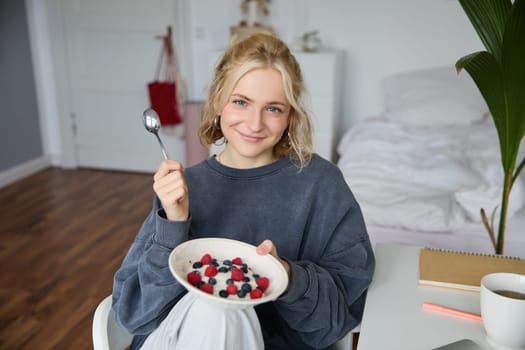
170	186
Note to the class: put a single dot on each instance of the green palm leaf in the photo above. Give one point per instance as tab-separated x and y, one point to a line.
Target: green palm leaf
488	17
499	74
486	73
513	66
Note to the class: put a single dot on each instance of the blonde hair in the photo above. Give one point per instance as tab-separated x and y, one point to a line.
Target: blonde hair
260	51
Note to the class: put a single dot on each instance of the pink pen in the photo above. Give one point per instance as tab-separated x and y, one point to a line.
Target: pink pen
451	311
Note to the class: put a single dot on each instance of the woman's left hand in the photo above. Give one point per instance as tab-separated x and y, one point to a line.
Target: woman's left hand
267	247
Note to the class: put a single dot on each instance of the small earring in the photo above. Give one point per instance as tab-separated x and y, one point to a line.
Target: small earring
217	122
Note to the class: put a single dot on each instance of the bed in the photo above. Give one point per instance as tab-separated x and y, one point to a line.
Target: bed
422	170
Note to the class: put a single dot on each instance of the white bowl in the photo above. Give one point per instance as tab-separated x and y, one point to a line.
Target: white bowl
182	257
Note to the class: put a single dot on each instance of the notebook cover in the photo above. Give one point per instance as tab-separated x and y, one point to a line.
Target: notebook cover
462	270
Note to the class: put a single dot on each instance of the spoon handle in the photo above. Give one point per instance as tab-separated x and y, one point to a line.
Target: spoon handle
162	147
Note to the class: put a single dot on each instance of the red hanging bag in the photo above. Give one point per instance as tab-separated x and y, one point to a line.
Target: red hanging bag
163	94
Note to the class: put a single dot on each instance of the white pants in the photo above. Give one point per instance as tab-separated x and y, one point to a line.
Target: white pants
194	323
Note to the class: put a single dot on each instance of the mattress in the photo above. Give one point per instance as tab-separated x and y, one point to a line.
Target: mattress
473	239
422	169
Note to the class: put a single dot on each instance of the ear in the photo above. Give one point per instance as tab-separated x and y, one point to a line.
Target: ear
216	107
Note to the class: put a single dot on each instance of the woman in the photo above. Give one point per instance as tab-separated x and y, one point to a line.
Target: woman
265	188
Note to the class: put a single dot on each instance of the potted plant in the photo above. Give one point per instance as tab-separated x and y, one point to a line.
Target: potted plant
499	73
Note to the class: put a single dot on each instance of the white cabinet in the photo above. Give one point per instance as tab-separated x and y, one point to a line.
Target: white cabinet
322	76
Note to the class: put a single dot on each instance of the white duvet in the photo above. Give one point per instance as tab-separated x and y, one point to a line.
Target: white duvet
425	178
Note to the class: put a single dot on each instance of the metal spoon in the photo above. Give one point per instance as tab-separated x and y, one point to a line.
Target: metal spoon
151	121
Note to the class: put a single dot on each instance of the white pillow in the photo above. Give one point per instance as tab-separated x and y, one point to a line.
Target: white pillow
436	96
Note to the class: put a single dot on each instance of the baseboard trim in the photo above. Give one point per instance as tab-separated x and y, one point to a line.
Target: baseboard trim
18	172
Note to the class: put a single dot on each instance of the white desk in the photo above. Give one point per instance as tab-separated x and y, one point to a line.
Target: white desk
393	317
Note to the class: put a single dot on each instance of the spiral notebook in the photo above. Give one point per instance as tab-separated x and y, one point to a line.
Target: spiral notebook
462	270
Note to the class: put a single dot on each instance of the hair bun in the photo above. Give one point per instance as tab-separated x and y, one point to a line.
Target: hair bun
239	36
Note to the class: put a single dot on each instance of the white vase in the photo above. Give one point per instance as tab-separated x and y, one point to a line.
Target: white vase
251	17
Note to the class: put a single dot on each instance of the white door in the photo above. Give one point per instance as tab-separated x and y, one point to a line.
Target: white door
111	55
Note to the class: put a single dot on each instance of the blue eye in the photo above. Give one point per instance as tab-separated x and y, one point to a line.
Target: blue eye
239	102
274	109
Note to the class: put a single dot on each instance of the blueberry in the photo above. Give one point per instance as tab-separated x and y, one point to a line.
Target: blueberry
200	283
212	280
256	275
244	268
246	279
241	293
227	262
246	287
197	265
214	262
223	269
223	293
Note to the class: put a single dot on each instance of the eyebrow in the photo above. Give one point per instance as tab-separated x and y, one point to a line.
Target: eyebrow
250	100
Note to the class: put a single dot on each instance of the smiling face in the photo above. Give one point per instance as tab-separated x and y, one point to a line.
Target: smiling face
254	119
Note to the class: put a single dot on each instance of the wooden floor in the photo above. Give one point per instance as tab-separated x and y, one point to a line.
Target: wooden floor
63	233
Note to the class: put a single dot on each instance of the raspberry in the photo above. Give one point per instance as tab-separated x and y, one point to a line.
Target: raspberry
194	278
206	287
237	261
263	282
237	274
210	271
231	289
256	293
240	281
206	259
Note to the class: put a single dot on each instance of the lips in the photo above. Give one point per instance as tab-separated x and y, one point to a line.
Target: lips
251	138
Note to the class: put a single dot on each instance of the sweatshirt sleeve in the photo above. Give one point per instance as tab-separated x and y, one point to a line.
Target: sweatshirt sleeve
326	295
144	290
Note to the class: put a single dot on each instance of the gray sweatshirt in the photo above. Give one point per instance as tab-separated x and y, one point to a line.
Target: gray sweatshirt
313	220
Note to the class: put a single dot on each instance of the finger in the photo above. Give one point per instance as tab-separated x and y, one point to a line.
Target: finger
169	187
177	194
173	178
266	247
166	167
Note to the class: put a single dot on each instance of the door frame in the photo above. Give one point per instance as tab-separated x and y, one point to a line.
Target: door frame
52	80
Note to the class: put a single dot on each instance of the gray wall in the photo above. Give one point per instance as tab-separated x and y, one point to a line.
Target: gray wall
20	139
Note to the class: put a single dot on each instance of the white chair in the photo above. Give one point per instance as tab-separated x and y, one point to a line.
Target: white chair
108	335
347	342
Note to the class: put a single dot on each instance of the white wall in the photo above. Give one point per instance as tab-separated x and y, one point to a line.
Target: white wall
377	38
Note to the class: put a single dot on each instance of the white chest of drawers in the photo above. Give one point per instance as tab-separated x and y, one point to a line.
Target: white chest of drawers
322	74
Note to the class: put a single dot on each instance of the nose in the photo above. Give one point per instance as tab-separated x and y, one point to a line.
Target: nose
255	120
